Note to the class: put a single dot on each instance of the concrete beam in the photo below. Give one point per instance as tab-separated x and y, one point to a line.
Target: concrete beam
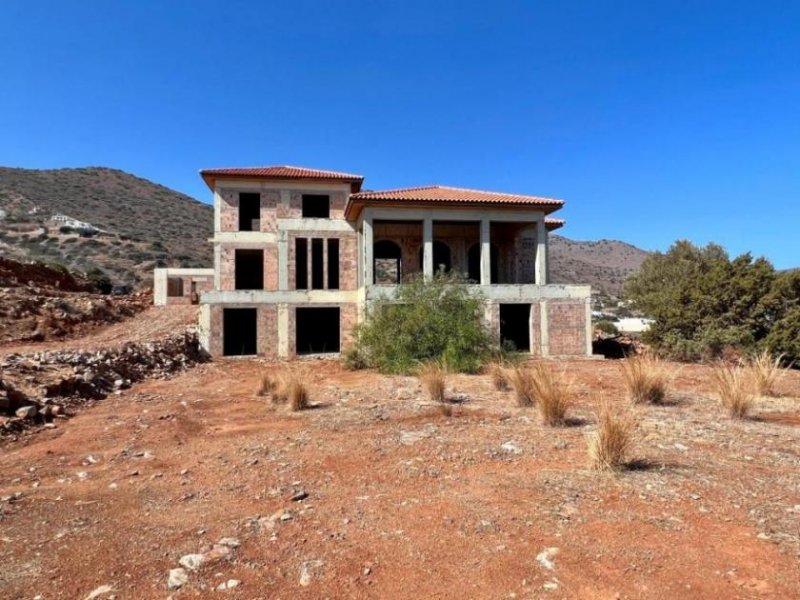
285	297
524	292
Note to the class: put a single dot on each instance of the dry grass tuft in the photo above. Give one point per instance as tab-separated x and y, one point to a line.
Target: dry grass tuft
610	445
267	385
432	377
551	393
522	381
295	393
735	388
284	388
646	379
499	376
765	370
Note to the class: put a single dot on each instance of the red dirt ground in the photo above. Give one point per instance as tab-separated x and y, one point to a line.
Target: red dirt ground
402	502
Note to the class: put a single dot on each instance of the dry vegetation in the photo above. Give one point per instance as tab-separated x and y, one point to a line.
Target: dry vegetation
499	376
646	379
735	388
286	388
610	446
551	391
522	382
765	369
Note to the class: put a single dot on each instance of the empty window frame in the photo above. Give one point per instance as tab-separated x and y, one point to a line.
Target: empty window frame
317	330
249	270
312	274
333	264
249	212
316	206
174	287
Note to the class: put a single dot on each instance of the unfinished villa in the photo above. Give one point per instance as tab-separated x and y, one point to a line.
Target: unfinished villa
300	255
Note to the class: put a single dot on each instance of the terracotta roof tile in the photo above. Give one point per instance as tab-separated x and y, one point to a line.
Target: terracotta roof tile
443	193
282	172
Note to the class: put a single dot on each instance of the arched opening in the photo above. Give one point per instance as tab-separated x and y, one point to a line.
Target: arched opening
474	263
441	257
387	260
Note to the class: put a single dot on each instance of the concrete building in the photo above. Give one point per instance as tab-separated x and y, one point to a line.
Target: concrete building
181	286
300	254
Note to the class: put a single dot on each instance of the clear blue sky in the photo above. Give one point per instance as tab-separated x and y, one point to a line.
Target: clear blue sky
654	120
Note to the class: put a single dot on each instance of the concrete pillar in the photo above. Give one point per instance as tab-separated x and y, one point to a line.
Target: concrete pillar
427	247
486	252
283	261
544	327
369	246
540	268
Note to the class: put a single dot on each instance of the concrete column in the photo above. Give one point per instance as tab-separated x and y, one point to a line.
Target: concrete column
486	252
369	262
540	268
427	247
283	261
544	327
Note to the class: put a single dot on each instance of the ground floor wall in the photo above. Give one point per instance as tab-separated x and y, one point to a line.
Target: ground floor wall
552	327
277	326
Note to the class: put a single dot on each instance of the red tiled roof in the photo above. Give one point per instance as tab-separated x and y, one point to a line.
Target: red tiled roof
552	224
447	194
282	172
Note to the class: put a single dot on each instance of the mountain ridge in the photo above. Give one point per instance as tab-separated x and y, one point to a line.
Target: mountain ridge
141	224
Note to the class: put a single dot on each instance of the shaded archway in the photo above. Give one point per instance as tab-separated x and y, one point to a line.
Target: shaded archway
387	259
474	263
441	257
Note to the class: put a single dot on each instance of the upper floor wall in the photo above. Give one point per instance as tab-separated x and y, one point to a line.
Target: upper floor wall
241	206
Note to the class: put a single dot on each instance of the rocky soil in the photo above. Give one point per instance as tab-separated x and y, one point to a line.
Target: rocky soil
194	487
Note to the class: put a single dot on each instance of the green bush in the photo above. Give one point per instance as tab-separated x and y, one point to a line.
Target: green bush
439	319
707	305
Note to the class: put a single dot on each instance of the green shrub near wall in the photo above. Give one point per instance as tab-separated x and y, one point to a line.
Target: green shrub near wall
439	319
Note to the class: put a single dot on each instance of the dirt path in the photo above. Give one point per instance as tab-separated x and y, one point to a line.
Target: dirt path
153	323
402	502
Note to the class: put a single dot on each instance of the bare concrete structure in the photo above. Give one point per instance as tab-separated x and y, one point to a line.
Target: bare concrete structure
299	255
181	286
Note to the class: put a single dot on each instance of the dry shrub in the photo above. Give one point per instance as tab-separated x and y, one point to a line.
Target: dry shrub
610	445
646	379
267	385
765	369
296	394
551	393
499	376
735	388
432	377
285	388
522	381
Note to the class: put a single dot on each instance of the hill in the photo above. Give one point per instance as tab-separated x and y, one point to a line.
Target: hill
604	264
104	218
126	226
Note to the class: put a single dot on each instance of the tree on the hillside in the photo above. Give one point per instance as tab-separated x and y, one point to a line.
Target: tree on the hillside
100	280
704	303
437	319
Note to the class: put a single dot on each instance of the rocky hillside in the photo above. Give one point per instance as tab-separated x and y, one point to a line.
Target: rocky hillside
604	264
127	225
104	218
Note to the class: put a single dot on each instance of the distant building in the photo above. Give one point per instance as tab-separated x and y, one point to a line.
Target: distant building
633	325
66	221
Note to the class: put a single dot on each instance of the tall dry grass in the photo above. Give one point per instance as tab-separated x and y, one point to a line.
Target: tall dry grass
609	447
522	382
498	375
765	370
432	376
735	388
551	392
284	388
646	379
